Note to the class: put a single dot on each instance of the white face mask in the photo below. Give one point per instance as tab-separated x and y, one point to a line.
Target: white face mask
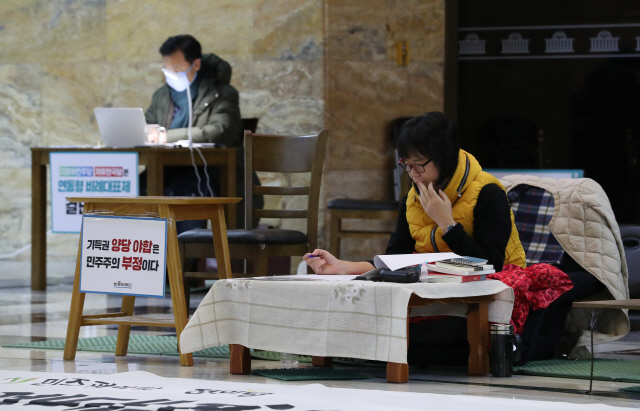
178	80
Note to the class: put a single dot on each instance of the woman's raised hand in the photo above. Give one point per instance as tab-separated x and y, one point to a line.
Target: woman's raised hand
323	262
437	205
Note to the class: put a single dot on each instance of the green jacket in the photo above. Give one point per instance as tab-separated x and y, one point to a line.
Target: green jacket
216	110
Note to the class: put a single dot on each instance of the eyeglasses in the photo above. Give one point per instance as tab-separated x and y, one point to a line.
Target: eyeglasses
419	168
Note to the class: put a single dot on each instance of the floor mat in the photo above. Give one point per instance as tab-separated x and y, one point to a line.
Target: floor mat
310	373
275	356
138	344
604	369
168	345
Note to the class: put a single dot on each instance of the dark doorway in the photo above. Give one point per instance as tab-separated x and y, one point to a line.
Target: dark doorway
553	85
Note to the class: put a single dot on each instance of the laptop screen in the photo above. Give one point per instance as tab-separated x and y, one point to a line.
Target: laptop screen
121	126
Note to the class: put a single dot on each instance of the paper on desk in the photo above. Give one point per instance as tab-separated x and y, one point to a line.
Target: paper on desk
394	262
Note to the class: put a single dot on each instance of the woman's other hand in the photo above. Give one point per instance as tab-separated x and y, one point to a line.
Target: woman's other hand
437	205
323	262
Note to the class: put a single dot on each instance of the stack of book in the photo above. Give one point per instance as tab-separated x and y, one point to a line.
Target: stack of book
459	270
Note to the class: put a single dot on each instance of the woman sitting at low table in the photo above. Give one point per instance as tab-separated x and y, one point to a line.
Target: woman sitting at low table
452	206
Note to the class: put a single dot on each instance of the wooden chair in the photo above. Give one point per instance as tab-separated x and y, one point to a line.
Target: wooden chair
250	123
277	154
348	208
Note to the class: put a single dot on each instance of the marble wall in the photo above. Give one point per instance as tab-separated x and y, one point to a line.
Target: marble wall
61	58
300	65
366	90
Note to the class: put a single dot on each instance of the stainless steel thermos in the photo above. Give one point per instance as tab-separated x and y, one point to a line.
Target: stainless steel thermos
503	343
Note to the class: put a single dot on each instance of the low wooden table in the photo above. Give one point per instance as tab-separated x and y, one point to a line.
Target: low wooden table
477	330
172	209
326	317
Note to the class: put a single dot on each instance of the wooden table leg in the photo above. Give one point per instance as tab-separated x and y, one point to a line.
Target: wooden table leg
174	271
334	233
240	359
228	187
220	243
75	313
321	361
478	335
38	223
398	373
155	175
122	343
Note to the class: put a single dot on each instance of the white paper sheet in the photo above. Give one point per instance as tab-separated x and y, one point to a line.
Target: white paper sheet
141	390
305	277
394	262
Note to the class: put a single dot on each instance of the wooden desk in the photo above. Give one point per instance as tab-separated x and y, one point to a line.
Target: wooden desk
154	158
477	334
173	209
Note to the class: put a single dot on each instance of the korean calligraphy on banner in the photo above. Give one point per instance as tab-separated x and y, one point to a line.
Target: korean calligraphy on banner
123	255
83	174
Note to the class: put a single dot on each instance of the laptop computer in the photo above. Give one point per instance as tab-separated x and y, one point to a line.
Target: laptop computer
121	126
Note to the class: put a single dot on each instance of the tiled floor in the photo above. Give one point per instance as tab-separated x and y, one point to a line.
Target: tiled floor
35	316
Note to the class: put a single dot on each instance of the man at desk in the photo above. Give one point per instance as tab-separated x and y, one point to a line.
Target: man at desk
216	115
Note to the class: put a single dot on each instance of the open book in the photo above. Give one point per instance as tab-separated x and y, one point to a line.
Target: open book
397	261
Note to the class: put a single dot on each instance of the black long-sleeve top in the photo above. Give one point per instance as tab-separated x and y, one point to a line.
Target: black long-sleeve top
491	229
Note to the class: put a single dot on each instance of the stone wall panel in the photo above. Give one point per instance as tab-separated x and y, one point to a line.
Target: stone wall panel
35	31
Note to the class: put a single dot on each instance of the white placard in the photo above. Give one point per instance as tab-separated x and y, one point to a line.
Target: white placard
123	255
83	174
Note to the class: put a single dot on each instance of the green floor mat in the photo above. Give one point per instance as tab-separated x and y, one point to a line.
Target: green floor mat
275	356
603	369
167	345
630	389
309	373
138	344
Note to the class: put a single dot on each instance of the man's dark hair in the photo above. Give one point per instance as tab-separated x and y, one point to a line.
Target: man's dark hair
189	46
434	136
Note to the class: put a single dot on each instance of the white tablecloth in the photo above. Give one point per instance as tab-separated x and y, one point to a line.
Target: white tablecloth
355	319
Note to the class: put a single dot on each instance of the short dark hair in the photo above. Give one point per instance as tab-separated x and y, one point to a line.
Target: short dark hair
189	46
435	136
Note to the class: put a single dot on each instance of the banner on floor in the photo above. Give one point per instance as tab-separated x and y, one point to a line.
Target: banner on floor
141	390
86	174
123	255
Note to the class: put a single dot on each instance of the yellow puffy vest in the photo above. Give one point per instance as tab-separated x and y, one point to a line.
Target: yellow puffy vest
463	191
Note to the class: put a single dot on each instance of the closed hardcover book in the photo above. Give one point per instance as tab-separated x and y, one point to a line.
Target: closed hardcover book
445	270
471	261
447	278
464	267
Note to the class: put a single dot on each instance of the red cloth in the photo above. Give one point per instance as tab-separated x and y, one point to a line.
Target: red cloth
534	287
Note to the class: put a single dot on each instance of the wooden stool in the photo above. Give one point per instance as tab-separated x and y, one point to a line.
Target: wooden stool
172	209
